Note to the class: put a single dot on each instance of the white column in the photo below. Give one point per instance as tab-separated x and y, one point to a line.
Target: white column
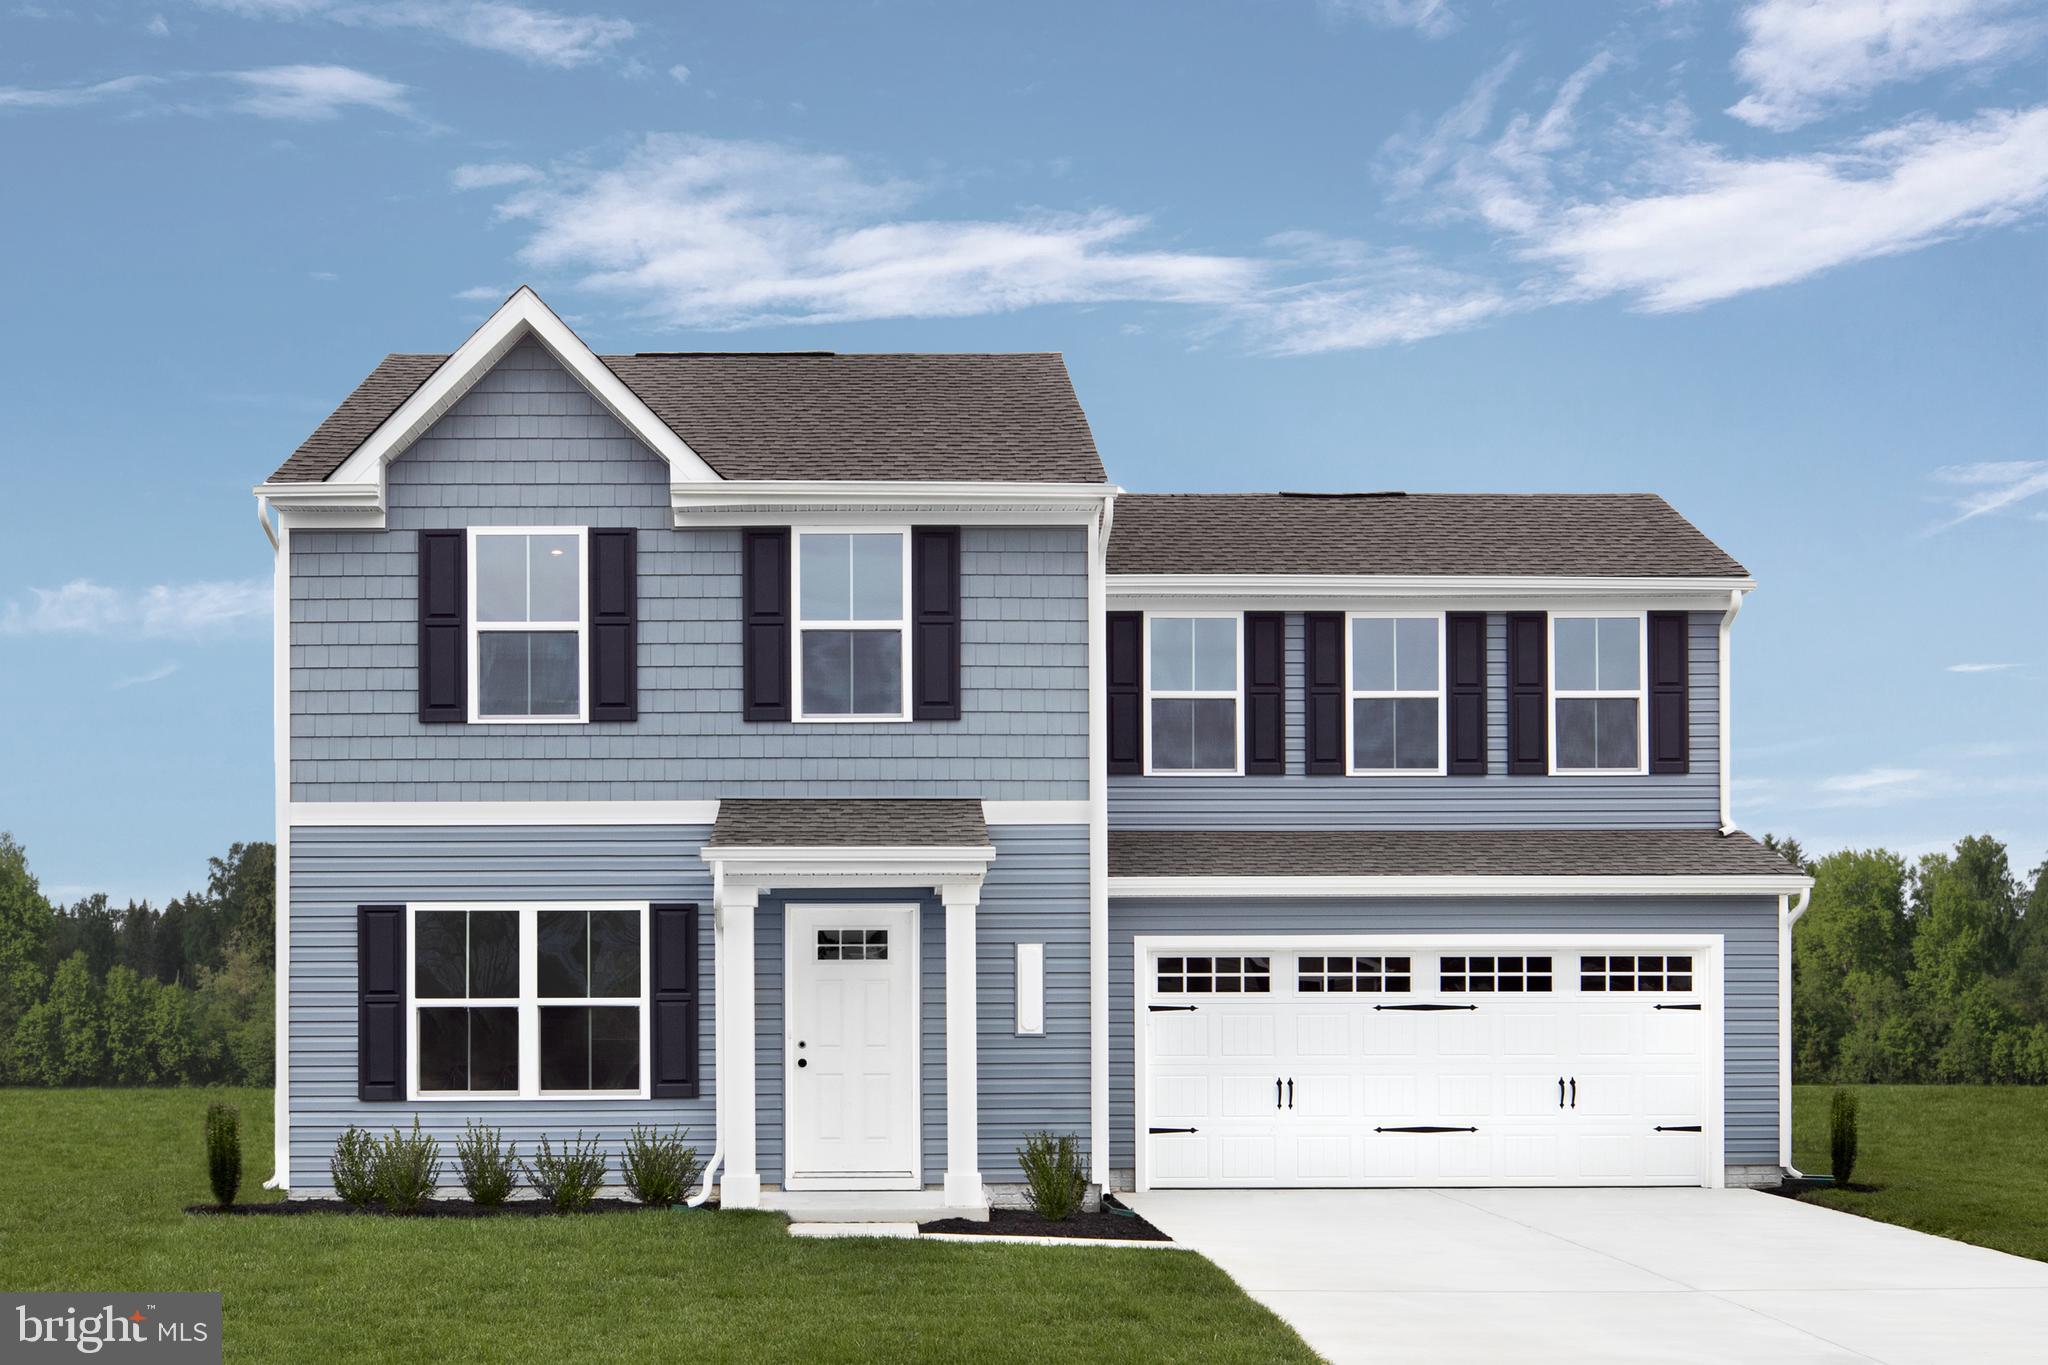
741	1187
963	1098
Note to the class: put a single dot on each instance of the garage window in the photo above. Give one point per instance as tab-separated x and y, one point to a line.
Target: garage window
1353	975
1502	975
1215	976
853	945
1636	972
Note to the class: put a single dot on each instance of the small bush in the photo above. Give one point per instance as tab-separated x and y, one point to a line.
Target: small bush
485	1160
1842	1135
408	1168
224	1152
354	1167
658	1170
1053	1170
567	1179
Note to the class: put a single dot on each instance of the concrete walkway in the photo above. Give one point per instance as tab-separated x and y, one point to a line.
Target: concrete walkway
1609	1275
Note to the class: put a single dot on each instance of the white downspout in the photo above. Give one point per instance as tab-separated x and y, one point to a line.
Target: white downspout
1098	847
280	724
1788	916
1727	708
697	1200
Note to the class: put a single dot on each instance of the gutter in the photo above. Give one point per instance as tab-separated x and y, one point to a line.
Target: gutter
1728	825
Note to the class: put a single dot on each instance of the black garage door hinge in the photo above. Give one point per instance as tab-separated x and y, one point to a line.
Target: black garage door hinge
1425	1128
1678	1128
1675	1007
1173	1130
1166	1009
1429	1009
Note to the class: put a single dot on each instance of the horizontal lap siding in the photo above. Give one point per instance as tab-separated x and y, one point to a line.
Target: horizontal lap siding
528	446
1750	974
335	870
1496	801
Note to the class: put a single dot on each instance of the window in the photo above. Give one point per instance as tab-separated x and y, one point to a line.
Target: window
1397	713
1193	671
852	649
1215	975
1596	686
1636	972
528	609
1352	975
529	1001
1508	975
853	945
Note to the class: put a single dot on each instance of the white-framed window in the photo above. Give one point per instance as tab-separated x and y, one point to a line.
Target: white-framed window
1194	682
529	615
531	1001
1395	664
852	595
1597	716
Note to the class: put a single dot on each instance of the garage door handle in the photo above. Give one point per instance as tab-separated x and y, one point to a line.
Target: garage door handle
1675	1007
1560	1092
1425	1128
1575	1092
1170	1009
1276	1092
1431	1009
1290	1092
1678	1127
1172	1130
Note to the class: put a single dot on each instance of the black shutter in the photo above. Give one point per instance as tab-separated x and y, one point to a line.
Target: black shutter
1323	690
1124	683
1528	694
935	623
380	1002
614	625
1265	692
444	643
673	1027
1669	664
1465	693
764	609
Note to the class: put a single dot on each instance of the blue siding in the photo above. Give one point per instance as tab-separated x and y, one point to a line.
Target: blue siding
1496	801
1750	974
528	446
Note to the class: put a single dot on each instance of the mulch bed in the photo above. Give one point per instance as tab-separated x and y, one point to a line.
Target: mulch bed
433	1208
1099	1226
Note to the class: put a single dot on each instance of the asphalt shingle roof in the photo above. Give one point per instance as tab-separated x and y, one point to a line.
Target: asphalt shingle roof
808	415
853	823
1621	535
1442	853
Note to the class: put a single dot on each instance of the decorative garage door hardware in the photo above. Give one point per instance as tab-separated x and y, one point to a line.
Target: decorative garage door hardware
1173	1130
1695	1005
1173	1009
1678	1128
1560	1092
1290	1092
1425	1128
1426	1009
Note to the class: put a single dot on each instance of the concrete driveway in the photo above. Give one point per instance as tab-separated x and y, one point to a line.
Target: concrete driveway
1608	1275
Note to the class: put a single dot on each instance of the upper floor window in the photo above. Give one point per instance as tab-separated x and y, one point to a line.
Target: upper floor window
1194	672
1596	689
852	648
1397	712
529	616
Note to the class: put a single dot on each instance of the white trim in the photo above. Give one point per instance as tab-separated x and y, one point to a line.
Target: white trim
281	777
1246	886
963	1071
735	1087
944	861
1235	695
1555	694
1098	852
1734	608
1035	812
1353	694
1126	589
1030	990
475	628
900	625
1785	917
826	502
316	814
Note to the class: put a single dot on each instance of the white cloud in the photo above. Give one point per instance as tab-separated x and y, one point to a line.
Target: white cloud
316	92
1876	786
1991	486
542	37
492	175
1431	18
679	73
154	675
482	293
1805	58
156	27
71	96
1978	668
84	607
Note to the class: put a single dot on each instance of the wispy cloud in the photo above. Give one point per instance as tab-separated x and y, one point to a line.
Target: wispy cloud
482	293
84	607
490	175
317	92
71	96
1431	18
679	73
539	36
154	675
1979	668
1990	486
1803	59
1875	786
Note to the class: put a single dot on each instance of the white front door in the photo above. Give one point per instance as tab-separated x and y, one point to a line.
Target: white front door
850	1048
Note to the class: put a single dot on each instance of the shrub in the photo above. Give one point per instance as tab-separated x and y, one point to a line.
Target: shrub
1842	1135
224	1152
485	1160
354	1167
1053	1170
567	1179
408	1168
658	1170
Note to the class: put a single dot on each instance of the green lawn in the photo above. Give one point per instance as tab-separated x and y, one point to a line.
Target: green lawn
92	1183
1963	1161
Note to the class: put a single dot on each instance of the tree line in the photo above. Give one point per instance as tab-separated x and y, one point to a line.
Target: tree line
1933	971
92	994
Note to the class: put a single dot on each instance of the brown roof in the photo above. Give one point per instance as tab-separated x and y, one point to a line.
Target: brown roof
1442	853
1620	535
862	822
808	415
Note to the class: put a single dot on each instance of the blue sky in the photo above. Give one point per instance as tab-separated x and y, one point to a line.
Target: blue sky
1781	262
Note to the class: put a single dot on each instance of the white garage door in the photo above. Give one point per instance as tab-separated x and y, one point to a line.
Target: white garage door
1466	1062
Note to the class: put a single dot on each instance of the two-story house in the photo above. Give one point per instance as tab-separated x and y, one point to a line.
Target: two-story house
819	752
